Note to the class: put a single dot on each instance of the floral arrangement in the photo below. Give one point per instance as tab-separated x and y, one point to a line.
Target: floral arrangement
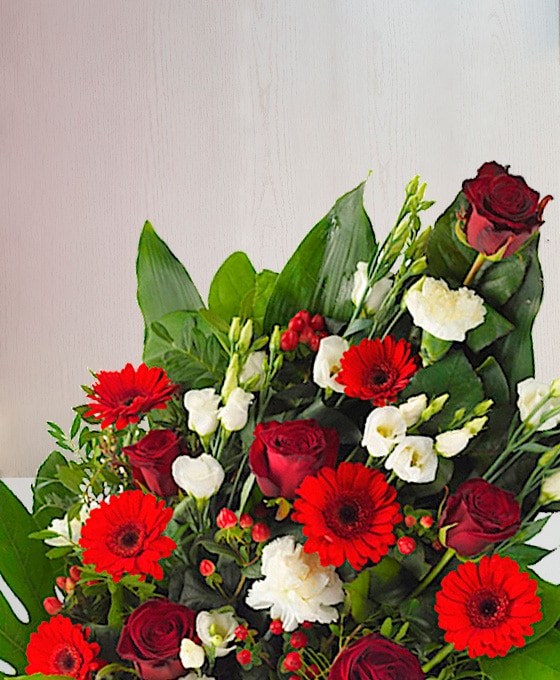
333	472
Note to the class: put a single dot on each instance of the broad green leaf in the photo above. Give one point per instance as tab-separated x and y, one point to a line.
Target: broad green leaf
264	285
540	661
359	596
525	555
28	573
231	283
493	327
500	280
494	381
550	602
319	275
452	375
164	285
197	595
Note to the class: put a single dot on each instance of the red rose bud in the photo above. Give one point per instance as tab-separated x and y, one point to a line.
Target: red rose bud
477	515
260	532
241	633
207	568
245	521
410	521
283	454
298	640
289	340
226	519
427	521
244	657
503	211
276	627
75	573
292	661
52	605
317	322
406	545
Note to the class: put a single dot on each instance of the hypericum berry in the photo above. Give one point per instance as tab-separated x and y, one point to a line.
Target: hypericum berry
437	545
312	671
317	322
305	316
296	324
410	521
75	573
245	521
244	657
260	532
207	568
307	624
52	605
276	627
427	521
226	519
298	640
406	545
292	661
241	633
61	582
294	677
289	340
307	335
313	343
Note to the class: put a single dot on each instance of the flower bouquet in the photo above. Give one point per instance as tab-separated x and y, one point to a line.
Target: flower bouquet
333	472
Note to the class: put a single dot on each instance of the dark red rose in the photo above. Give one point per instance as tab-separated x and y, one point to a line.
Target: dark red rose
479	514
151	638
151	458
376	658
283	454
503	210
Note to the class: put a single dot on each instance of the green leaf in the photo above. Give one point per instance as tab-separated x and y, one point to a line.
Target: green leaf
525	555
27	572
359	596
231	283
49	494
493	327
500	280
198	595
264	285
453	375
540	660
319	275
494	381
550	602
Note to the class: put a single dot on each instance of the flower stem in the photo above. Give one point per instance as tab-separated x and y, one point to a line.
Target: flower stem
433	574
476	265
438	658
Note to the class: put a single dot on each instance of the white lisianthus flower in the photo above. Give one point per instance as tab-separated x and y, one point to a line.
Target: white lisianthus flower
327	362
253	368
376	295
69	530
414	460
550	490
385	427
200	477
191	654
236	411
452	442
195	676
531	392
202	406
446	314
296	587
412	409
216	630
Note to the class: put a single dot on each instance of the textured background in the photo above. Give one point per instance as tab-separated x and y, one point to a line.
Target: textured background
234	124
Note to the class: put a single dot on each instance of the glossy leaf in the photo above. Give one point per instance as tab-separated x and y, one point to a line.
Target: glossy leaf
540	660
494	326
232	282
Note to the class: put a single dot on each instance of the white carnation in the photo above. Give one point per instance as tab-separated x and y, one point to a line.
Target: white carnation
452	442
414	460
531	392
327	362
296	587
235	413
376	295
202	406
385	427
200	477
412	409
446	314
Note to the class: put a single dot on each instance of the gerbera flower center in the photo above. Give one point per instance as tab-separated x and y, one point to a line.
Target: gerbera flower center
487	608
127	539
349	516
379	377
66	660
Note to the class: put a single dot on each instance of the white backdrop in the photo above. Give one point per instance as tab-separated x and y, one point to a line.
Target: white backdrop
234	124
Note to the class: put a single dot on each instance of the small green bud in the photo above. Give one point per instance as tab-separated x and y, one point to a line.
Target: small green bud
231	379
555	388
434	407
475	425
234	329
483	407
412	186
246	336
274	344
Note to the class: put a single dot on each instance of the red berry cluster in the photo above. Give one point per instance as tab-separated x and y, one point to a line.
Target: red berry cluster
294	644
418	522
304	328
67	584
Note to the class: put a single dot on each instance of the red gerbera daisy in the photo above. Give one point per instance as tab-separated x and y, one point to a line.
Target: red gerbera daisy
489	607
60	647
377	370
124	535
348	514
123	397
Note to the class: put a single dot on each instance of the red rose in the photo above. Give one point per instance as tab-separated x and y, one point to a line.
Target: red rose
151	638
503	210
479	514
283	454
150	460
375	657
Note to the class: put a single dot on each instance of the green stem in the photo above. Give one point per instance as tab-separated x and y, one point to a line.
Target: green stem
433	574
438	658
476	265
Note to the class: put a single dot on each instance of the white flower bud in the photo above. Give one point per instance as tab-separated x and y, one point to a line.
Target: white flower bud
550	490
235	413
191	654
376	295
452	442
412	409
200	477
531	393
385	427
327	362
202	407
253	368
69	530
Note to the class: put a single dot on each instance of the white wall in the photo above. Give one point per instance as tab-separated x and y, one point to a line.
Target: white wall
234	124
